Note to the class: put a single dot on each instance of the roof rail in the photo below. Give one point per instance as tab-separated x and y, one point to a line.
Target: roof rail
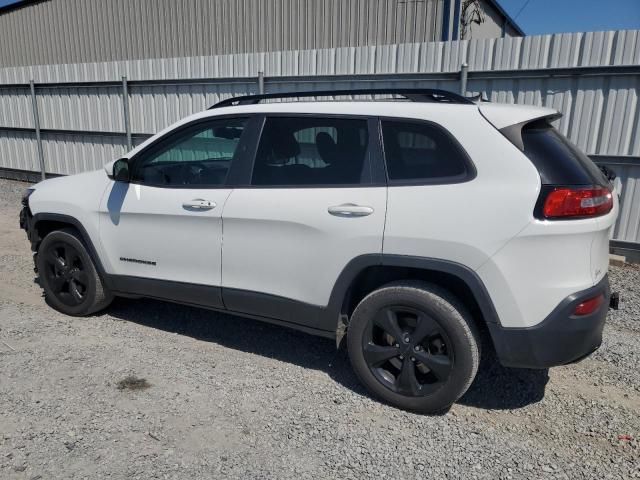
426	95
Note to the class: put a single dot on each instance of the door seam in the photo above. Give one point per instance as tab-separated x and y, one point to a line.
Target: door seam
224	204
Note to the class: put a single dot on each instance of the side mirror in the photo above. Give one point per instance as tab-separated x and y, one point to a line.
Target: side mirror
118	170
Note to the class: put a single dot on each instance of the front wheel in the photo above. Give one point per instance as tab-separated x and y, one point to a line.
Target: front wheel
414	345
68	276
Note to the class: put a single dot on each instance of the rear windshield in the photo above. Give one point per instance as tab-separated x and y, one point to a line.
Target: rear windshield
558	161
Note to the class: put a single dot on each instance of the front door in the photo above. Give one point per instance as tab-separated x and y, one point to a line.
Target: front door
165	224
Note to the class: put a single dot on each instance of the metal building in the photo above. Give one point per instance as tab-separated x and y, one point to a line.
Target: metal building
49	32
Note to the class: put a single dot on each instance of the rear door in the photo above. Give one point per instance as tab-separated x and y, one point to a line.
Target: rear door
314	199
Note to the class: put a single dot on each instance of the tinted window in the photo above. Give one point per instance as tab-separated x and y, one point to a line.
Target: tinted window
198	155
421	151
558	161
312	151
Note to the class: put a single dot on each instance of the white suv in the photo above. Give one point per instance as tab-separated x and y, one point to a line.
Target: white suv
414	227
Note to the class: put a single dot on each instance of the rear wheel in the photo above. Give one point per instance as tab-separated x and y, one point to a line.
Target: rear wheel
414	346
68	275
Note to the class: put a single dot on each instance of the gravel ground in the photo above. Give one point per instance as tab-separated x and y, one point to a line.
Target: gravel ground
226	396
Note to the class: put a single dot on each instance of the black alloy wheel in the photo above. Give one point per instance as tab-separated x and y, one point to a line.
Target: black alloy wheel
65	273
406	350
414	345
68	274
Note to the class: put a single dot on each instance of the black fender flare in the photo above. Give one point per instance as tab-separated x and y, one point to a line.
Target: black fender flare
462	272
74	222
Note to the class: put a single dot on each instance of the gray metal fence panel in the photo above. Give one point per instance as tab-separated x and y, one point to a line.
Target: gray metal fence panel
592	78
154	107
74	31
15	107
18	150
600	112
84	108
628	226
73	153
627	229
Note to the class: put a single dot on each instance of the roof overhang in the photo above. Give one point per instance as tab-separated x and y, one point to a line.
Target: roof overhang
19	4
507	17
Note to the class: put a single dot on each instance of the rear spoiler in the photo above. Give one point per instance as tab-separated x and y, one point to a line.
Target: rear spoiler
510	119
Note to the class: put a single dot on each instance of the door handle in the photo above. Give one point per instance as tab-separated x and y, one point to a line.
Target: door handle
350	210
199	204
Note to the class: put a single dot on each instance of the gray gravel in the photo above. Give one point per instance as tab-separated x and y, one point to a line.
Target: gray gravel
226	396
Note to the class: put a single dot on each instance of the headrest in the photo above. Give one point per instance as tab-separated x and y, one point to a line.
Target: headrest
327	147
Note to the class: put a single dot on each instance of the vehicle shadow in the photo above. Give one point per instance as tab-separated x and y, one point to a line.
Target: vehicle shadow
500	388
495	387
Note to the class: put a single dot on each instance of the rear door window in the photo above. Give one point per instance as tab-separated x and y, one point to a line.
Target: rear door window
302	151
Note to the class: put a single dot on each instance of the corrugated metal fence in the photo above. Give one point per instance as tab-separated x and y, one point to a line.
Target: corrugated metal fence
75	31
592	78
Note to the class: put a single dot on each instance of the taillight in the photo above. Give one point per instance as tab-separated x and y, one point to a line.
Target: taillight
567	202
589	306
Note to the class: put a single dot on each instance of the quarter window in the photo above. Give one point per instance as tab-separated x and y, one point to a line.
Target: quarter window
422	151
312	151
199	155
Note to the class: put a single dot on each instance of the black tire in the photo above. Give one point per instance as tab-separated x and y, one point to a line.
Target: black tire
68	275
414	345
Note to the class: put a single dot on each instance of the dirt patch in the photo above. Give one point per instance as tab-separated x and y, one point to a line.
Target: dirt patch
132	382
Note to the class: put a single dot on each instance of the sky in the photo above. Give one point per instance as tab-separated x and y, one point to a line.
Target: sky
550	16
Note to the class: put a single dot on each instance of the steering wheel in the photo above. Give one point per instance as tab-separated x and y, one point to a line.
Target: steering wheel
192	172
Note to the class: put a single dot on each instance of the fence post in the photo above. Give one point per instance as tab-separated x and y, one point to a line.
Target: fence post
464	72
260	83
36	125
125	112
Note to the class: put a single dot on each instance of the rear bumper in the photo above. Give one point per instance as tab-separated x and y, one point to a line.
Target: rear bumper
560	339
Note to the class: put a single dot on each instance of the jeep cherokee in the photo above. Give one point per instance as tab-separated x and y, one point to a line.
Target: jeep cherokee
412	223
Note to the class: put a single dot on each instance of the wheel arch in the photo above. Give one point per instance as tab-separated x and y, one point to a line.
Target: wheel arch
44	223
368	272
